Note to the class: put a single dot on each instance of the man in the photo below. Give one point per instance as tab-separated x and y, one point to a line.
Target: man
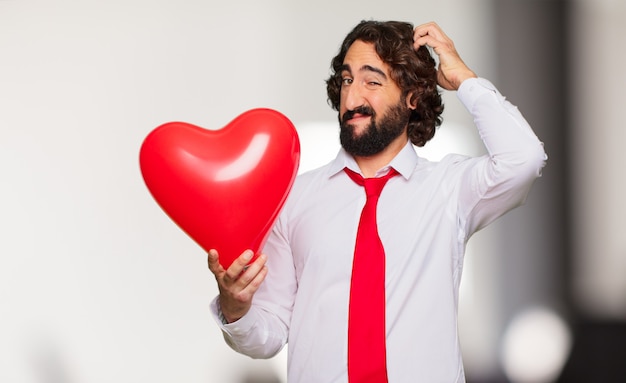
384	86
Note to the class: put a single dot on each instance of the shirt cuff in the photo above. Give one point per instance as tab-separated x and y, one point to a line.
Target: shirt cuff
238	327
472	89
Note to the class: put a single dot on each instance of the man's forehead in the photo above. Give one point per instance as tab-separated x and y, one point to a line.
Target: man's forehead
362	56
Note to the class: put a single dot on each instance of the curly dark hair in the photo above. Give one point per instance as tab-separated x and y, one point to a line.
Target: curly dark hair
413	70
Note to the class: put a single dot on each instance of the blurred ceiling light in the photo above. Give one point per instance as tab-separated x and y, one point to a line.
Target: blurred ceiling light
535	346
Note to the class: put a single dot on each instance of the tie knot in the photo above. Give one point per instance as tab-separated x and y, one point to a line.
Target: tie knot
373	186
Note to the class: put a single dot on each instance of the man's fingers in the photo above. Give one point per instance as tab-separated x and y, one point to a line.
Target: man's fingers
214	262
428	31
432	35
251	279
252	270
431	29
451	71
258	278
253	285
238	266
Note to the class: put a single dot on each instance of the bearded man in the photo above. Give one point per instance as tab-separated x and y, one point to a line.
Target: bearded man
363	282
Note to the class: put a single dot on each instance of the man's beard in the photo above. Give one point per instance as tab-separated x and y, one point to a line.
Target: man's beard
378	134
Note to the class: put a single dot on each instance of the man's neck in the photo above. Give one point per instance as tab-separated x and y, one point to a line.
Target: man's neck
371	164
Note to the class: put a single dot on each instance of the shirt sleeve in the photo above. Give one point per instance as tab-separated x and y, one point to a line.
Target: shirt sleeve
263	331
501	180
251	335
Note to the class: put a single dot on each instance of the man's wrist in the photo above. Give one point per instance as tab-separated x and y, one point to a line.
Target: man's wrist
464	77
225	318
220	314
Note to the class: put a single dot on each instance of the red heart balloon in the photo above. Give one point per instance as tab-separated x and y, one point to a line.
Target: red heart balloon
224	187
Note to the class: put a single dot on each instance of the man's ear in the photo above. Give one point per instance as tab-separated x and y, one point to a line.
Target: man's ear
409	104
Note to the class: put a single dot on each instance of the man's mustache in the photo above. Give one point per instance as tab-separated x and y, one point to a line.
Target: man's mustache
363	110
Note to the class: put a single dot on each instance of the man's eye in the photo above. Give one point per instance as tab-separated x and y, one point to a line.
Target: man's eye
346	81
373	83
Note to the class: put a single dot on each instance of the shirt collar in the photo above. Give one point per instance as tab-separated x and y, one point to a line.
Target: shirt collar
404	162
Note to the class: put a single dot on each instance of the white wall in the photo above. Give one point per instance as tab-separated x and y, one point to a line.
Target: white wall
96	284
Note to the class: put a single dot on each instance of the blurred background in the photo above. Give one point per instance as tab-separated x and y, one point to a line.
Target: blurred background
98	285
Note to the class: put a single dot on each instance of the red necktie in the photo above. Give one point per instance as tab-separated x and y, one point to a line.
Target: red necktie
367	359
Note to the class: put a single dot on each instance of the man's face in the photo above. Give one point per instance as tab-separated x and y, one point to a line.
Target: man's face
371	111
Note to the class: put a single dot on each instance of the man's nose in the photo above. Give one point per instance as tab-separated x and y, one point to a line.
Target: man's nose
353	97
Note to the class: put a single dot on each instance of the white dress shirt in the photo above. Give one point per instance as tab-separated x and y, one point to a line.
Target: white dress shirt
425	218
